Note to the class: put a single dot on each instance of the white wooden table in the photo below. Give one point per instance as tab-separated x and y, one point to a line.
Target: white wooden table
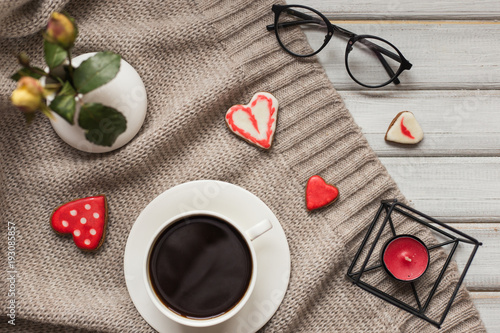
454	91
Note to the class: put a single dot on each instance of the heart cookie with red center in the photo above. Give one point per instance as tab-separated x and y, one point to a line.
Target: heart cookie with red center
405	129
85	219
319	193
256	121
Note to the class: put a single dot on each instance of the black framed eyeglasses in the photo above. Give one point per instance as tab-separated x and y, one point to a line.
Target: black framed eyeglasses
371	61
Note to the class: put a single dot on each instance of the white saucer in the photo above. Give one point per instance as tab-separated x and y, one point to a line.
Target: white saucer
236	203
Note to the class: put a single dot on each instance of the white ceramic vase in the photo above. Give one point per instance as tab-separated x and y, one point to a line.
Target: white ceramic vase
126	93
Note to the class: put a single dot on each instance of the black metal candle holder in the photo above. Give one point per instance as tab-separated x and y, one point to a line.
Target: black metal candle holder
453	238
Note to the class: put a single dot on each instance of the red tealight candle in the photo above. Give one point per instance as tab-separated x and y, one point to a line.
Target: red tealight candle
405	257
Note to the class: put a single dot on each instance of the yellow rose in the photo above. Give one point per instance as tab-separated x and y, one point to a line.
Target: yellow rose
28	96
60	30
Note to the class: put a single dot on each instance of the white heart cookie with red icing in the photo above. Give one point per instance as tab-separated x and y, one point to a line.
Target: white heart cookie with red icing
85	219
404	129
256	121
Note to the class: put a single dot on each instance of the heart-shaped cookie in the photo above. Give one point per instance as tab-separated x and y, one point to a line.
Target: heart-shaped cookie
405	129
256	121
85	219
319	193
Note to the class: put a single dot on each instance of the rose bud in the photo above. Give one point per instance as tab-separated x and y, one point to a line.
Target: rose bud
60	30
29	94
23	59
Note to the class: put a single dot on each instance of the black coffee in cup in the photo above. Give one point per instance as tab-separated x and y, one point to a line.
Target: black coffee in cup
200	267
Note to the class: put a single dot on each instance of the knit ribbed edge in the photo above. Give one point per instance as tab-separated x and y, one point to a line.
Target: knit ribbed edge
297	148
32	326
26	19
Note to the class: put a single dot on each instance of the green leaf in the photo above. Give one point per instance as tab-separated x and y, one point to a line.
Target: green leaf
96	71
103	124
54	54
16	76
67	89
25	72
64	103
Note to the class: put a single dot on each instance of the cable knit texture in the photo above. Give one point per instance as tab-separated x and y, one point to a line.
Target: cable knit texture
197	58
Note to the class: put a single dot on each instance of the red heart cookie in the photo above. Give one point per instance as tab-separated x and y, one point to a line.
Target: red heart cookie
319	193
85	219
256	121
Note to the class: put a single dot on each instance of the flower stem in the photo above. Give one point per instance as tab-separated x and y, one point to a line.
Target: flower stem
70	67
46	111
40	72
43	73
54	86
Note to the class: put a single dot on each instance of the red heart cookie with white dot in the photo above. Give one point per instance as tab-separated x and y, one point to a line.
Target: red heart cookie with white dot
85	219
256	121
319	193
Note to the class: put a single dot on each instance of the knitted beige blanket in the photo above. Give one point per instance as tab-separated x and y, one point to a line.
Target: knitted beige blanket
197	58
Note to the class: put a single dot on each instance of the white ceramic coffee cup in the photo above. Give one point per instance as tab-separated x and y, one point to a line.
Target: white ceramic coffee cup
248	235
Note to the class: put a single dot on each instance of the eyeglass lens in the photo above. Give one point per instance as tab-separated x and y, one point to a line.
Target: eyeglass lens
368	65
293	22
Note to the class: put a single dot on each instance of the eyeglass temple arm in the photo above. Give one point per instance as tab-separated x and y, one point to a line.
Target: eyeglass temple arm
343	32
271	27
378	50
375	49
387	68
306	19
371	45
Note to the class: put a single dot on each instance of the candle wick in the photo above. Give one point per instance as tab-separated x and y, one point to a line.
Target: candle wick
408	259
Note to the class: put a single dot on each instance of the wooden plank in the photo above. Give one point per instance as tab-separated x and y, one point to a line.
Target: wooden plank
406	9
455	123
457	189
488	305
484	273
442	54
